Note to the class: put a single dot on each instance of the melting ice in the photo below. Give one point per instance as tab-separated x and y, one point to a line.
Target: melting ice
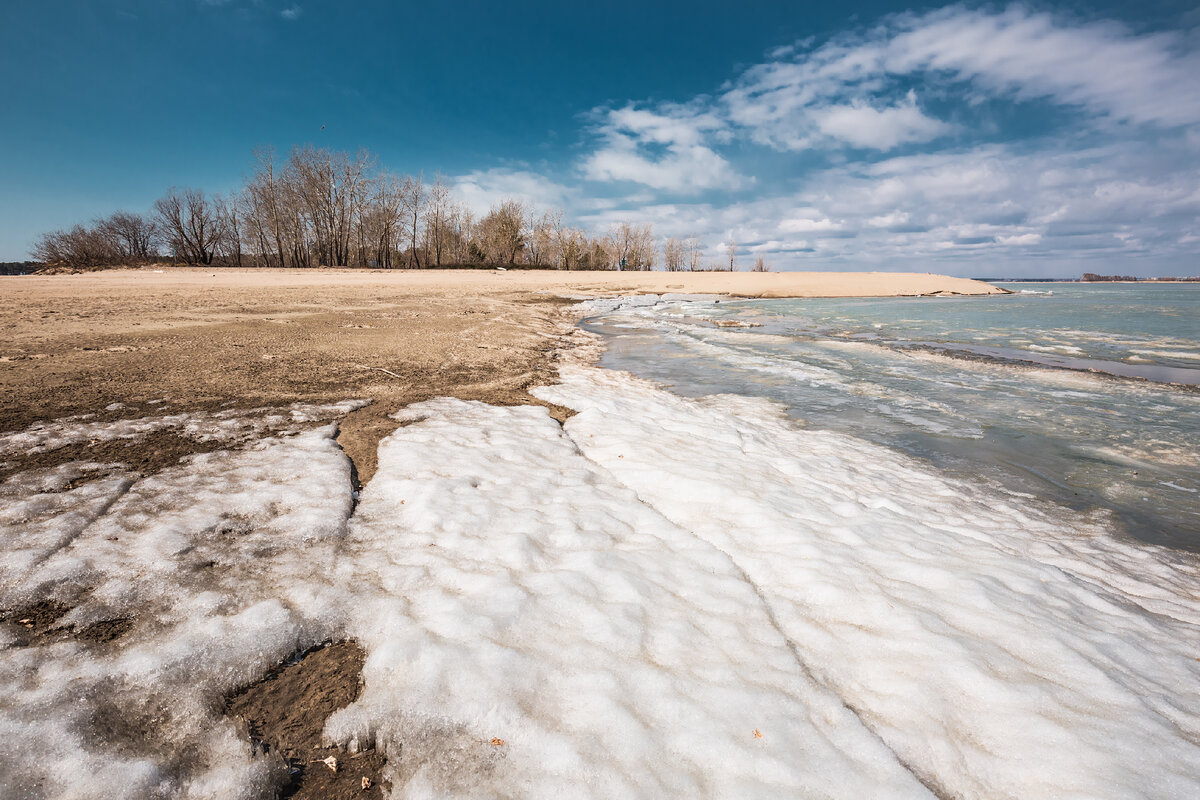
664	597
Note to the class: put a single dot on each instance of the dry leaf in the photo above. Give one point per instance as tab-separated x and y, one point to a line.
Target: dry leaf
330	762
757	733
497	741
366	783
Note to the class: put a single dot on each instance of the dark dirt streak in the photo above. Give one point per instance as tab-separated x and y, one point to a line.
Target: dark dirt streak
285	715
35	625
146	454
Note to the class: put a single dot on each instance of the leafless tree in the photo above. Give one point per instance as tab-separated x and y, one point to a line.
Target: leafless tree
695	253
732	249
760	265
228	245
325	207
502	232
81	246
190	225
413	199
132	234
673	254
437	219
633	245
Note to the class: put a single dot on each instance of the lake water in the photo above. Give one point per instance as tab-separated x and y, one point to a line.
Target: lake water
1084	395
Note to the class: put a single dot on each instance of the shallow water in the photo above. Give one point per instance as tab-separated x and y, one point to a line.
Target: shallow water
1084	395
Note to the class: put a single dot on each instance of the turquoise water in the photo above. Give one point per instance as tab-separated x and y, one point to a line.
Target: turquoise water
1087	396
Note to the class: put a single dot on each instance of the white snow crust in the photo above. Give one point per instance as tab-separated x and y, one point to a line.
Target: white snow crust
219	563
1000	649
511	589
663	598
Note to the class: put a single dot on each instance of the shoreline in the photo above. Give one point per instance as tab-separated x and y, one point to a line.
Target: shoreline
204	340
395	631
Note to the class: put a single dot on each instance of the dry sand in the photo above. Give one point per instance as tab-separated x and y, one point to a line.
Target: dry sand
203	339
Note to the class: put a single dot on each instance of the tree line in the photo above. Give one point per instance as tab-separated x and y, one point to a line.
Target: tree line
320	207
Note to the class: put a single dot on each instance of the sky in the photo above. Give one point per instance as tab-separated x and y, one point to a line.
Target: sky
1040	140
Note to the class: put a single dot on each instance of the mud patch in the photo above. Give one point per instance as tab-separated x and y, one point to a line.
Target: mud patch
106	630
34	624
147	454
285	715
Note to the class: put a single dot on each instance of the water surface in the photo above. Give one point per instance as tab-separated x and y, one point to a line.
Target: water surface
1084	395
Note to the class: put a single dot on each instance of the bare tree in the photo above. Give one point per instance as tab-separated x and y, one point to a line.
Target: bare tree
502	232
695	253
732	249
437	232
760	265
413	198
634	245
133	235
542	238
673	254
228	244
190	224
326	207
81	246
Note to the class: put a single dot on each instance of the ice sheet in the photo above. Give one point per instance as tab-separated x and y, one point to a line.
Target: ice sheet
509	590
1001	649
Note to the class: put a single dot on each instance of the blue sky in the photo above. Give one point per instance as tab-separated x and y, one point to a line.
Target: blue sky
970	139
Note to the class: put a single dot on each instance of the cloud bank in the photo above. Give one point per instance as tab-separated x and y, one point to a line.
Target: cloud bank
964	140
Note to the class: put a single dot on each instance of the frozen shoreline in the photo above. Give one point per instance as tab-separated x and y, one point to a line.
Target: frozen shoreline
661	597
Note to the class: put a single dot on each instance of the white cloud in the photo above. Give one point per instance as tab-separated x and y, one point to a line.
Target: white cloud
292	12
664	149
846	88
899	121
1104	67
483	189
863	125
984	210
807	225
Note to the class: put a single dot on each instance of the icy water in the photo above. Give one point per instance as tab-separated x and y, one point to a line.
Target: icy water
1084	395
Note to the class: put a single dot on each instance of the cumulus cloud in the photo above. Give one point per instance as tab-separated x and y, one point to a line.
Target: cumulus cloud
985	210
863	125
483	189
665	149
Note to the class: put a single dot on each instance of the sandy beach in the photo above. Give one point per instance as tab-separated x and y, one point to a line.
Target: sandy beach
74	344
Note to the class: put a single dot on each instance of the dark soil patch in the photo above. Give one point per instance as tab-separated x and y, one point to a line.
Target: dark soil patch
146	454
35	625
35	621
286	711
106	630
